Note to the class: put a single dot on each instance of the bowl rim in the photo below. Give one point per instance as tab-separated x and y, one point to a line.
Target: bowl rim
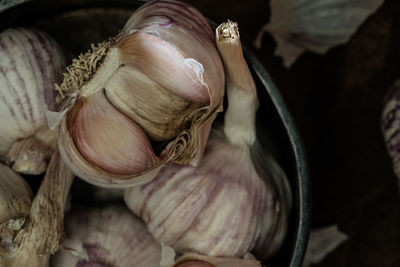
304	194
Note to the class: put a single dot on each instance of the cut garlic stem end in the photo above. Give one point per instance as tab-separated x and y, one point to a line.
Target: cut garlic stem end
239	125
29	156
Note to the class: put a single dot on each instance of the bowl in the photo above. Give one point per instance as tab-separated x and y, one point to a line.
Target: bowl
77	24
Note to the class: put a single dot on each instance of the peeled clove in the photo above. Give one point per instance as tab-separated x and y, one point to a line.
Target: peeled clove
29	238
106	236
314	25
228	204
31	62
144	98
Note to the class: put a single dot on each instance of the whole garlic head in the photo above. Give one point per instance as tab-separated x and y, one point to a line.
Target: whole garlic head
142	99
106	236
220	208
31	62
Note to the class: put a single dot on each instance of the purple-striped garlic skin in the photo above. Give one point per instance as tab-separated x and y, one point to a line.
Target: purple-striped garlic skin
220	208
31	62
106	236
390	125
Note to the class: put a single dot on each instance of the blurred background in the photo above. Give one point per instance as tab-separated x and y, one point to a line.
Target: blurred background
336	101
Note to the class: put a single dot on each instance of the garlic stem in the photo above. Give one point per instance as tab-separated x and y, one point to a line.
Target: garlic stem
32	241
47	211
239	125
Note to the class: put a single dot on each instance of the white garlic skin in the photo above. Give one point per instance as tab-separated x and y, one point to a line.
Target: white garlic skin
106	236
219	208
31	62
314	25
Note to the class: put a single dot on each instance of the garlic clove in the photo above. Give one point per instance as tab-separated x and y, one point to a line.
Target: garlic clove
97	135
31	63
171	88
196	260
316	26
110	236
164	65
164	116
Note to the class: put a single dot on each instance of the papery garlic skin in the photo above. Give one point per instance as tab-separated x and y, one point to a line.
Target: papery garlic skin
219	208
31	62
164	74
15	195
106	236
314	25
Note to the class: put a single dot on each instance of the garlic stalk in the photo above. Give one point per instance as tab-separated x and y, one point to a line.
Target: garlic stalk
227	205
31	62
314	25
195	260
29	242
106	236
144	98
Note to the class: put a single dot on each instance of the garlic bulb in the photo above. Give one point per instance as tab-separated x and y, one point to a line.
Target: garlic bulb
30	239
314	25
106	236
195	260
144	98
225	206
31	62
390	126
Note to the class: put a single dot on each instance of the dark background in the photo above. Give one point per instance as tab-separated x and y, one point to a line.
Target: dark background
336	101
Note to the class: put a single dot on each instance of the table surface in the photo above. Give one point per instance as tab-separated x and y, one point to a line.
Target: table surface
336	100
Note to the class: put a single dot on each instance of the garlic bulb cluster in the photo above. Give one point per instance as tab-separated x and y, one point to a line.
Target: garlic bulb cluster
142	99
390	126
225	206
106	236
314	25
30	233
31	62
